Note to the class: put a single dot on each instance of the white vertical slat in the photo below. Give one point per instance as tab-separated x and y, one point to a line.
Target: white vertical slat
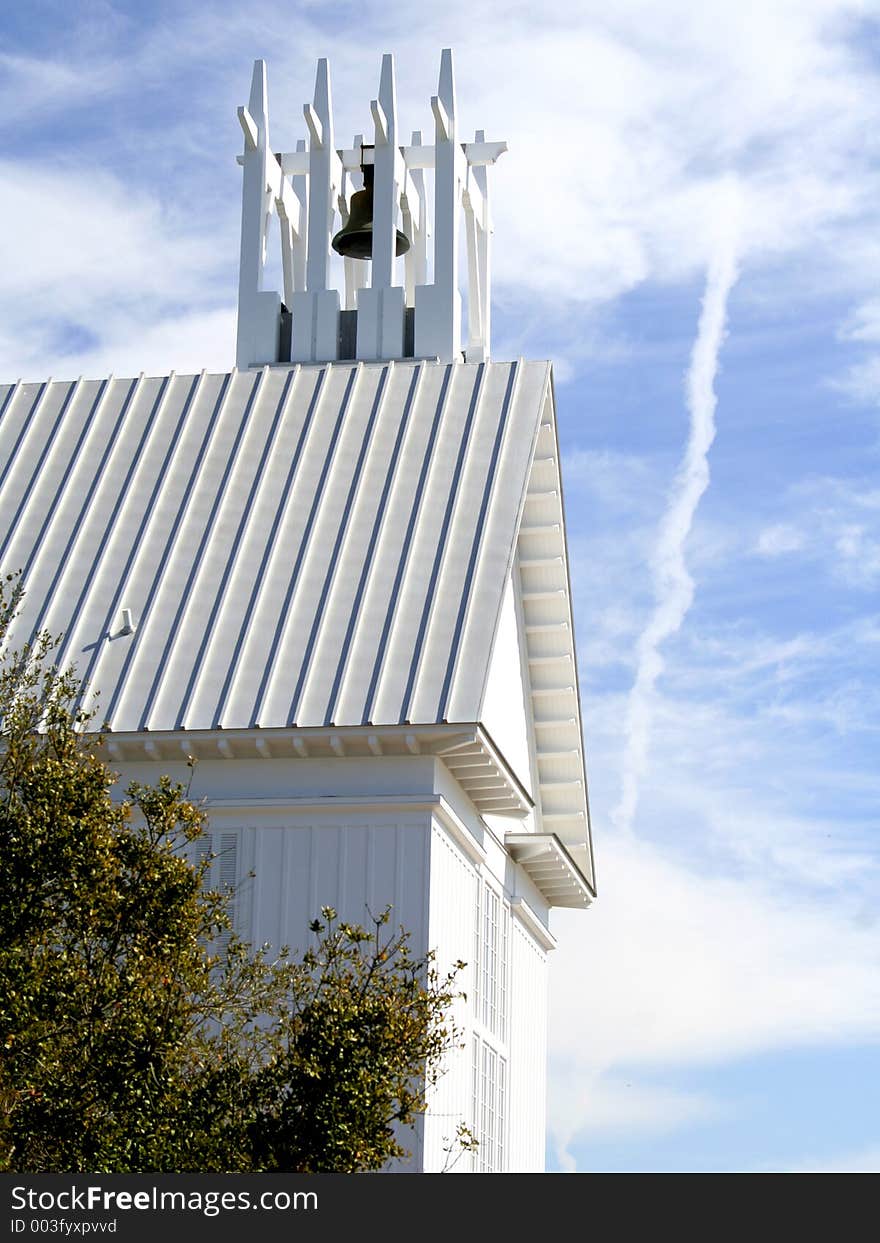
451	903
15	420
86	528
37	465
316	310
381	306
528	1052
438	306
258	309
371	655
410	608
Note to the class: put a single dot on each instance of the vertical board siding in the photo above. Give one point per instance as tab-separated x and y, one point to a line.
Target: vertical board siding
452	904
355	868
528	1053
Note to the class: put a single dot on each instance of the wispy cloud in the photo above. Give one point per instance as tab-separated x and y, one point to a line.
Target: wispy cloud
836	523
674	586
778	539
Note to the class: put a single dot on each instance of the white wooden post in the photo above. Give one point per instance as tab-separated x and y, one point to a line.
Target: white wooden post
309	185
484	255
294	203
478	227
438	306
381	306
415	225
356	271
316	310
259	311
293	233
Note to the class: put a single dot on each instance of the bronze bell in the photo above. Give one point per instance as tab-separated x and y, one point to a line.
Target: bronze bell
355	239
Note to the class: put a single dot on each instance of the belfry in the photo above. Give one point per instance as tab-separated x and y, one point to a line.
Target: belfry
337	575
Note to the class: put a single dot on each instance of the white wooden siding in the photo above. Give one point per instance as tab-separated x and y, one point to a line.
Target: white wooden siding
453	901
528	1053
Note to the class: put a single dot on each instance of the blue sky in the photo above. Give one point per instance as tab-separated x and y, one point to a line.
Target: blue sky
719	1008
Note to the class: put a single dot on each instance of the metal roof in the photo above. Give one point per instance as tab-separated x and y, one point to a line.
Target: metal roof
308	546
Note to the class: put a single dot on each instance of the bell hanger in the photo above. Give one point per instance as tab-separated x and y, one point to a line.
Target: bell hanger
355	239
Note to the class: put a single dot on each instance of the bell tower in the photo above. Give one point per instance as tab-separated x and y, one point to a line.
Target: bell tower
337	575
381	312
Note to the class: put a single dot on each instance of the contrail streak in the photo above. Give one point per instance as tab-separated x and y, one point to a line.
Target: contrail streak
673	585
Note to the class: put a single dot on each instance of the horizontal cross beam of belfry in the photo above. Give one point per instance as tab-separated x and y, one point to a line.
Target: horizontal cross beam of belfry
310	190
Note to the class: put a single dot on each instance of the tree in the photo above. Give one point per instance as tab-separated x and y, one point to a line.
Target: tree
127	1044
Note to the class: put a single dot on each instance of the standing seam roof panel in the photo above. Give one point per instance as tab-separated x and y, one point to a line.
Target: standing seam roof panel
331	537
389	555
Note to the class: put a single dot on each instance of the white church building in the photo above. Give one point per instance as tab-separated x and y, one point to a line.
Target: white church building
337	576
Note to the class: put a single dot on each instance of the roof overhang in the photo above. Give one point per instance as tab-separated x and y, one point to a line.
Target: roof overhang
544	859
544	597
466	750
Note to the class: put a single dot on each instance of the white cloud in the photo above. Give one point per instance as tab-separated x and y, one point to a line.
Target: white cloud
778	539
862	1161
833	521
584	1104
121	286
37	87
863	324
186	344
685	967
861	381
84	234
622	126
